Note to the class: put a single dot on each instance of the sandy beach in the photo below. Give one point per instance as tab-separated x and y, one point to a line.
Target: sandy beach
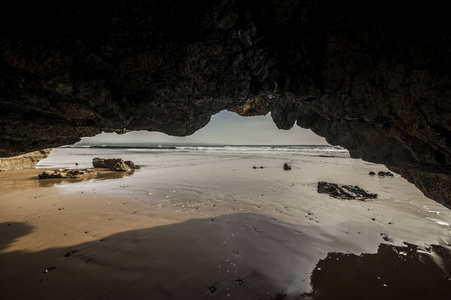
192	226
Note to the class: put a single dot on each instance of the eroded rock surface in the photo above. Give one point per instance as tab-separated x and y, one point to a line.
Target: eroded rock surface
114	164
372	76
23	161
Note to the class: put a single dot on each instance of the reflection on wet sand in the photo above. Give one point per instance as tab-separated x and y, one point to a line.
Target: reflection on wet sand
394	272
28	179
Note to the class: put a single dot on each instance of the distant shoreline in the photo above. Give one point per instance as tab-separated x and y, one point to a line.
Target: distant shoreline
177	146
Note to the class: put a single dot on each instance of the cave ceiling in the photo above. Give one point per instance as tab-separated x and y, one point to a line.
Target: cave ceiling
373	77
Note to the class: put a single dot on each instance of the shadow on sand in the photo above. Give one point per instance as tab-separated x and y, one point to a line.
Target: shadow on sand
240	256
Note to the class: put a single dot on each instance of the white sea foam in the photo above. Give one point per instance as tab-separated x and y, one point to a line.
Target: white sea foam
440	222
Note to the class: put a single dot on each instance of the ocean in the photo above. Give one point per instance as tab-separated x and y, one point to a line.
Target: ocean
80	155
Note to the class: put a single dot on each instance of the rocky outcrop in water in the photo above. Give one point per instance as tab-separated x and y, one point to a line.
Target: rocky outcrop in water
344	191
24	161
372	76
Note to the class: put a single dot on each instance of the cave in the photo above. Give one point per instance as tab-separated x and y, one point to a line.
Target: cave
372	77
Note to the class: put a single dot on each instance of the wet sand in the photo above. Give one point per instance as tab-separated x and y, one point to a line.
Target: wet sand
207	226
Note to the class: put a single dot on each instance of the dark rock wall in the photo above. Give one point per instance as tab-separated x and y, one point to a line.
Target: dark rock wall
371	76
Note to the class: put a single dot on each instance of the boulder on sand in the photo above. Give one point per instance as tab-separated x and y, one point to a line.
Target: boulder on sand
344	191
114	164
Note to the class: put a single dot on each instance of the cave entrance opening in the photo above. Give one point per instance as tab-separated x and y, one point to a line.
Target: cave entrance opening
224	128
226	133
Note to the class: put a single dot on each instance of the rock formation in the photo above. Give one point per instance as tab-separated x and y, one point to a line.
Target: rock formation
372	76
114	164
67	173
24	161
344	191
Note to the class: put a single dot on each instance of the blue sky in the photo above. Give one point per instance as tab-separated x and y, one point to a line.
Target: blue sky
224	128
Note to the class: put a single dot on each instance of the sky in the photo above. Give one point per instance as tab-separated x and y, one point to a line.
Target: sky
225	128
